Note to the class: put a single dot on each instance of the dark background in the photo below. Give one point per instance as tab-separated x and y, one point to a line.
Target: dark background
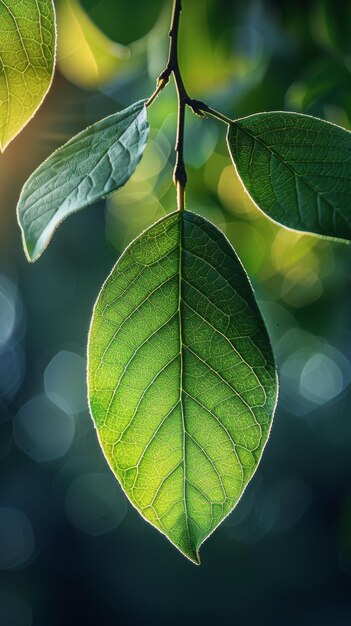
72	550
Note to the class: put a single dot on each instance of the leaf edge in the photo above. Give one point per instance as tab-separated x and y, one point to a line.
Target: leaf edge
196	560
290	228
33	255
3	145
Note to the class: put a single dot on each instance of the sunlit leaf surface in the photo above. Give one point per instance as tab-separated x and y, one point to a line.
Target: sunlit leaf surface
297	169
182	381
27	56
94	163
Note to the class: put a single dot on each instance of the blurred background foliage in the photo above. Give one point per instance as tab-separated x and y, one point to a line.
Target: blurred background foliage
72	550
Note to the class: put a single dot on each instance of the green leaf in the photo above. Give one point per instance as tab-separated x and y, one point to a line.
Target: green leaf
297	169
94	163
27	59
182	382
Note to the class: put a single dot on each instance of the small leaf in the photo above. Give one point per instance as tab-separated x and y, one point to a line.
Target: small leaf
297	169
182	382
94	163
27	59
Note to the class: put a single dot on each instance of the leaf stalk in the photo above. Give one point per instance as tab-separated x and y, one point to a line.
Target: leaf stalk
198	107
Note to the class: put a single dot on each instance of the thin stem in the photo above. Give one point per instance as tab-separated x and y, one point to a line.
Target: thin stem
172	67
180	196
159	87
173	62
179	175
184	100
201	108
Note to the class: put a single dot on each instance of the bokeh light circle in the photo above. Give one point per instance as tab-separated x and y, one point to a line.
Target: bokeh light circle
95	504
17	543
42	430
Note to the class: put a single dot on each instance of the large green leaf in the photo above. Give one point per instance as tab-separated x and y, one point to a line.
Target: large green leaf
182	382
94	163
297	169
27	58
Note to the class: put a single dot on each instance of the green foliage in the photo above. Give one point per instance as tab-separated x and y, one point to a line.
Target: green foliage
177	348
96	162
297	169
27	56
182	381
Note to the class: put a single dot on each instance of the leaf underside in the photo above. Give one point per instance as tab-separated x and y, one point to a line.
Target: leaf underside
94	163
27	58
182	382
297	169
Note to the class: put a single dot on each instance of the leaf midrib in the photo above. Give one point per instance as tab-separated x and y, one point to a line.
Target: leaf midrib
181	370
98	162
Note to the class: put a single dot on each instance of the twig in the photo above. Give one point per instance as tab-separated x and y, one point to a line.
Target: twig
184	100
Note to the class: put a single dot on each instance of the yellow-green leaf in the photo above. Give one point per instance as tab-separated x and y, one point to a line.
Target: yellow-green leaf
27	59
182	381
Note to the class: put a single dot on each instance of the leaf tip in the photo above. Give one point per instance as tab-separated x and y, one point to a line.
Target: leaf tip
192	554
196	559
29	250
3	145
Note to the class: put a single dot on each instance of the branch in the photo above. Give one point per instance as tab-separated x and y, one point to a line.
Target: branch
179	175
172	67
198	107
